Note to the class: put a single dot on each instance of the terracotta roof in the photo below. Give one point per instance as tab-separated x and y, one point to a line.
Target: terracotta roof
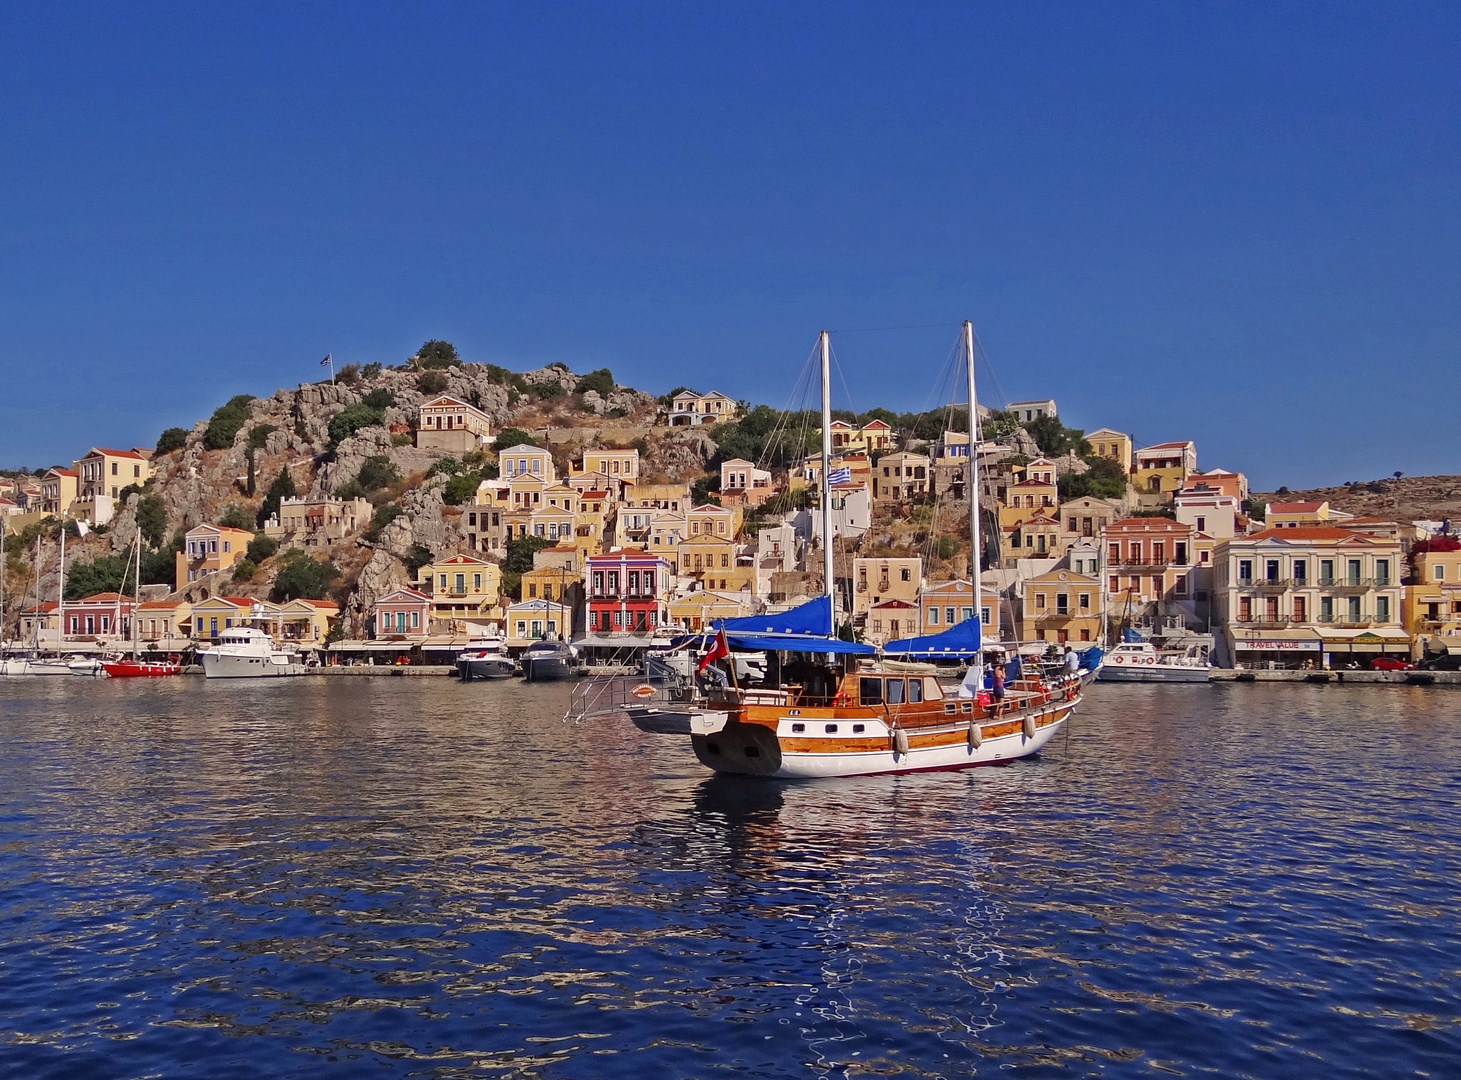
100	598
318	603
115	453
1310	532
893	604
159	604
1166	446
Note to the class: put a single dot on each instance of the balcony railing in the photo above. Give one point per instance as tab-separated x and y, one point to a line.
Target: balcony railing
1265	583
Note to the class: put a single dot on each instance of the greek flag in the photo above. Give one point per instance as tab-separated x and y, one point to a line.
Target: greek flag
326	361
840	476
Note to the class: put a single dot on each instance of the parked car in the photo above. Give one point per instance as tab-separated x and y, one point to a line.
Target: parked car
1389	663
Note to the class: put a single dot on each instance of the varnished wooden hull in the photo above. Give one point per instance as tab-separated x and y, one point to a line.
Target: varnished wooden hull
760	741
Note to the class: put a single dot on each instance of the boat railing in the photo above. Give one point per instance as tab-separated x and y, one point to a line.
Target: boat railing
606	694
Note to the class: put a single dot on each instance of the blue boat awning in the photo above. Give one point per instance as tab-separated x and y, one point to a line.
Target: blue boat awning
805	643
960	641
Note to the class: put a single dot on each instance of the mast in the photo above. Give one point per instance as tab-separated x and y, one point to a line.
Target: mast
827	579
974	545
61	592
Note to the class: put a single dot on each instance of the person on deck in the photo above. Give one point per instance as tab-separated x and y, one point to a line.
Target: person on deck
996	689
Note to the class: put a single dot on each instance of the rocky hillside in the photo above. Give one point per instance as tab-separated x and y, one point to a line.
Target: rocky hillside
290	433
1406	498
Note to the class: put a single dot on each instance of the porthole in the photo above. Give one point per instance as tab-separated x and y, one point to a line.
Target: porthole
858	729
831	729
798	728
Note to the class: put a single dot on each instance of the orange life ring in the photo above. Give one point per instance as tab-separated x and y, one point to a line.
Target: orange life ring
643	690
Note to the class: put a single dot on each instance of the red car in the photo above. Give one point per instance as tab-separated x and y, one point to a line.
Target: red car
1389	663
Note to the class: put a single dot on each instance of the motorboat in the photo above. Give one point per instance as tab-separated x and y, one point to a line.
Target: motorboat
141	669
244	652
1141	661
548	660
91	666
485	658
33	665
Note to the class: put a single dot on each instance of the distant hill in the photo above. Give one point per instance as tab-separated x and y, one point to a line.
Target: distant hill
1410	498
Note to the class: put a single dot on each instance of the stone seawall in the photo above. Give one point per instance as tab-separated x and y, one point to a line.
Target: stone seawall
1345	678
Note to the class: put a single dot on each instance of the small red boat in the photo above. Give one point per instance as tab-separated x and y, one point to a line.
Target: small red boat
140	669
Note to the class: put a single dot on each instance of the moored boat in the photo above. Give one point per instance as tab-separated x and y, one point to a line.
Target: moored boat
485	658
244	652
546	661
141	669
1141	661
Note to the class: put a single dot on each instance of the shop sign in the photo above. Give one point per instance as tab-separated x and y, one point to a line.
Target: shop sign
1278	646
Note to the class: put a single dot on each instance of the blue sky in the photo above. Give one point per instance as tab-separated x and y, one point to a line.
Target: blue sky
1236	223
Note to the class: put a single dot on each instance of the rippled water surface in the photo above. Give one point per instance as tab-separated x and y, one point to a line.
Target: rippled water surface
413	878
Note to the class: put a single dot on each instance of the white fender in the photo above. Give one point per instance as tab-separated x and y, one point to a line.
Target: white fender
1029	725
976	735
900	742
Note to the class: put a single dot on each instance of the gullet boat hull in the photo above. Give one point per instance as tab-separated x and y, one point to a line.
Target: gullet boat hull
759	749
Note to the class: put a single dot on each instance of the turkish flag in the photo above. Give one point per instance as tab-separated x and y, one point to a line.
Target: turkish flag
717	651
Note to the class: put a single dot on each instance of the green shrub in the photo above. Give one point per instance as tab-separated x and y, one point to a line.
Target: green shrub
105	573
151	518
349	374
509	437
548	391
244	570
261	548
259	435
417	557
350	489
1105	479
460	488
304	576
237	516
370	371
379	398
431	382
174	438
383	516
520	553
282	488
438	354
946	547
377	472
602	381
351	419
226	421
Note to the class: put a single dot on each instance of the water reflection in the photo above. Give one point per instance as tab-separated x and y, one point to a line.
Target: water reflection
311	877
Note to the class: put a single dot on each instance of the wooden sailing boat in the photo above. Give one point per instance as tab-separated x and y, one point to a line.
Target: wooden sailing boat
830	708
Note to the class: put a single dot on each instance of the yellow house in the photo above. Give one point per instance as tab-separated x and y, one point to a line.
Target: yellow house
58	491
1163	469
1037	537
1023	500
875	580
616	464
550	582
704	555
462	588
1113	446
874	437
948	603
689	409
1061	606
450	424
711	520
101	475
525	461
902	476
700	609
208	549
1295	515
216	614
308	622
160	623
1431	607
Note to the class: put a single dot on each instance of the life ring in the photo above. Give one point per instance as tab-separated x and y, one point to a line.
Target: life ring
1119	659
840	699
643	691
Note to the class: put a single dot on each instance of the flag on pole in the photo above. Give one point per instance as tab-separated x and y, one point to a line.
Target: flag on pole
840	476
329	357
718	650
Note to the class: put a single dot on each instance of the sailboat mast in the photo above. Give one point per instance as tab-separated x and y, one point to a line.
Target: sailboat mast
973	472
61	592
827	578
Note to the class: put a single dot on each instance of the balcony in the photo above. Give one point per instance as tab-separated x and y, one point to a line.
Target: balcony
1266	584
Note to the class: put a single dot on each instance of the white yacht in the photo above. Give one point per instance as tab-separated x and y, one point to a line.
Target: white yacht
243	652
1140	661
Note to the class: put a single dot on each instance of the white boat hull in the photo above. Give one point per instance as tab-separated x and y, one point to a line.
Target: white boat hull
1158	673
752	749
669	720
223	666
19	665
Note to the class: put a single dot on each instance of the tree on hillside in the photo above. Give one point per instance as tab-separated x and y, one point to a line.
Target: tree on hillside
174	438
509	437
303	576
282	488
351	419
151	518
1054	438
601	381
1105	479
437	354
105	573
226	421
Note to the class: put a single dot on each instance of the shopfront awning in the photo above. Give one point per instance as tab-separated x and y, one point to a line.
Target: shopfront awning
1379	640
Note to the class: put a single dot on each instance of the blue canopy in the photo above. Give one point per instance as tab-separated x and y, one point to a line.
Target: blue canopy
814	617
805	628
960	641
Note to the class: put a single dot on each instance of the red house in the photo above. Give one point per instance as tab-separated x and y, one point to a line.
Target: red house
403	613
628	592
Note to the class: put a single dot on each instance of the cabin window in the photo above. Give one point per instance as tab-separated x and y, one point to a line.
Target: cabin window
858	729
869	691
915	691
798	728
831	729
895	692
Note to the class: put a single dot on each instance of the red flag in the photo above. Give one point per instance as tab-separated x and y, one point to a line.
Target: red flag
718	651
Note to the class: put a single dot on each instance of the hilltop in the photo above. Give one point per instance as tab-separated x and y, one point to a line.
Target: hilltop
1405	498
